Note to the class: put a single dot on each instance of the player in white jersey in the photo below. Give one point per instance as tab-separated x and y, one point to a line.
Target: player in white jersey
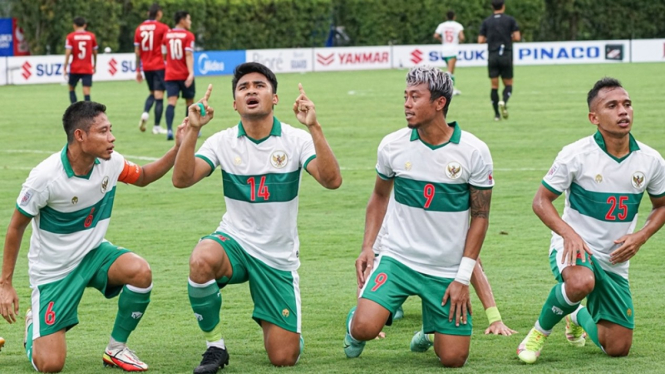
480	284
604	177
450	34
69	198
442	178
261	161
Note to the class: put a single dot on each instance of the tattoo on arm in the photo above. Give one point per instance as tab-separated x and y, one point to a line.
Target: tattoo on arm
480	202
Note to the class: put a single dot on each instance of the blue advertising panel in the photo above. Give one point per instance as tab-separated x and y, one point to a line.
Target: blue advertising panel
217	62
6	39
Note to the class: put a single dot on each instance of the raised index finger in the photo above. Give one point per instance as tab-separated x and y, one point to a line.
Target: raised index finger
206	97
302	90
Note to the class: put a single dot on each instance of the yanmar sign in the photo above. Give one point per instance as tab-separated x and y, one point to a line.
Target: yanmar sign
352	58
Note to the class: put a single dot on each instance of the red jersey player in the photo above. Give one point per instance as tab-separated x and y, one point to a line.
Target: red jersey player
81	45
179	44
149	58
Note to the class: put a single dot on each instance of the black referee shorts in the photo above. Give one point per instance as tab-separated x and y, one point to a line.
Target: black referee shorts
500	65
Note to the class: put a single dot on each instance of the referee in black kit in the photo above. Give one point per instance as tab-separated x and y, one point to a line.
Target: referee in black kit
499	31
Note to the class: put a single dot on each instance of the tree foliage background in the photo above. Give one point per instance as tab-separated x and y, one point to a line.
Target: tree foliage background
250	24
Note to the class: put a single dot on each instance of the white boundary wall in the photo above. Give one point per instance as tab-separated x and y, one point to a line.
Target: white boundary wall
121	66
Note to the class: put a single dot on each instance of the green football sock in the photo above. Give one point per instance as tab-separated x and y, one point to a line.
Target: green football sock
452	77
132	303
28	343
206	301
585	320
555	308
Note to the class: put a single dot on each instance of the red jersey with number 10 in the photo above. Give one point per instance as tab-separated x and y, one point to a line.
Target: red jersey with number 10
177	42
81	44
148	37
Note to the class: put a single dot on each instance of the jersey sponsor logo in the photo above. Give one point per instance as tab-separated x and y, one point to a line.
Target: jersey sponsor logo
75	200
638	179
408	165
454	170
278	159
285	313
552	171
105	184
26	198
599	178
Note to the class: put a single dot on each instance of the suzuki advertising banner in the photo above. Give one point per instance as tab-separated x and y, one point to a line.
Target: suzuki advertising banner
283	60
407	56
352	58
49	69
217	62
649	50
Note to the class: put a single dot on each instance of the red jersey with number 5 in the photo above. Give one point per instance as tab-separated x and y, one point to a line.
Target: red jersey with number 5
82	44
177	42
148	37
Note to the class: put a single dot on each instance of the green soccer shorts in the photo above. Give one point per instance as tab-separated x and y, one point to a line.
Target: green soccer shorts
55	304
391	282
275	293
610	300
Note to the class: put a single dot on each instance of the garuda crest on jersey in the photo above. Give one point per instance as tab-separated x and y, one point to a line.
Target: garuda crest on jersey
638	179
278	159
454	170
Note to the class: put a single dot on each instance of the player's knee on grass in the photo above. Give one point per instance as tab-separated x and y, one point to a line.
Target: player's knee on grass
451	358
285	355
617	347
49	362
365	327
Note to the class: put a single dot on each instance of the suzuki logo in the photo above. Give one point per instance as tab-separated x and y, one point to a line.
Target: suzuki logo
26	70
112	66
325	60
416	56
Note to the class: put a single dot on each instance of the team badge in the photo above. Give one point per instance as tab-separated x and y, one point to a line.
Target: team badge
638	179
629	312
278	159
105	184
454	170
599	178
408	165
26	197
237	161
285	313
75	200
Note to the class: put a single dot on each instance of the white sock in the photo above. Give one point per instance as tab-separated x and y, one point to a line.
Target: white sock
573	315
219	344
114	344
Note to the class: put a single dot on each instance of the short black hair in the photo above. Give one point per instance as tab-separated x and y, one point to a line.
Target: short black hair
153	10
80	21
80	115
497	4
606	82
253	67
181	14
450	15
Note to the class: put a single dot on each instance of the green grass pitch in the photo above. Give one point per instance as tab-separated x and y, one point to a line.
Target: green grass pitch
547	111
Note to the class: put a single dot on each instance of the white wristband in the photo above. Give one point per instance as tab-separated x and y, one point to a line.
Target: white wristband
465	270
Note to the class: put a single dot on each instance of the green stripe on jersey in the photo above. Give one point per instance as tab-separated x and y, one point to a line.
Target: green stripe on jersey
57	222
267	188
603	206
438	197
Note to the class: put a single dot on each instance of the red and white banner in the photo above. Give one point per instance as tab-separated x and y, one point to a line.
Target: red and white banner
352	58
407	56
49	69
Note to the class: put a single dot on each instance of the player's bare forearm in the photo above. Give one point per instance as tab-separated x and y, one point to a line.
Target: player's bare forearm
328	173
544	208
482	286
184	169
480	211
157	169
376	211
189	58
13	239
656	218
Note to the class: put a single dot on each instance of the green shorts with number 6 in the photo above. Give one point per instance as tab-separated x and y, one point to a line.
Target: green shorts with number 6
391	282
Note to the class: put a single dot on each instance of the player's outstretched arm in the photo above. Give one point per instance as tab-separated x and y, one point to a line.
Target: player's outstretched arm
632	243
157	169
572	243
8	296
188	169
324	168
484	291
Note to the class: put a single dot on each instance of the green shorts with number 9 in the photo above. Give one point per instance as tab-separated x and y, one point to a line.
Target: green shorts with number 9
391	282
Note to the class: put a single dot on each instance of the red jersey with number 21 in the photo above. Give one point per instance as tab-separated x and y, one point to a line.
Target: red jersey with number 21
149	37
177	42
81	44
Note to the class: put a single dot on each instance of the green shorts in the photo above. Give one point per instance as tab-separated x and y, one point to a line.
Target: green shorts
610	300
57	302
275	293
391	282
448	58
